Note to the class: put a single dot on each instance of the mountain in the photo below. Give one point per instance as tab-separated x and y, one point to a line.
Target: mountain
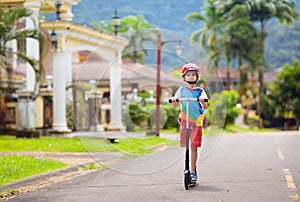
167	14
282	43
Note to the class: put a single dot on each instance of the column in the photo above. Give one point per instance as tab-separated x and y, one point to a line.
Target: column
116	96
32	45
59	93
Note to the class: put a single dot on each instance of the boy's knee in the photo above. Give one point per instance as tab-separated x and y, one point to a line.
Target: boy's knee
194	148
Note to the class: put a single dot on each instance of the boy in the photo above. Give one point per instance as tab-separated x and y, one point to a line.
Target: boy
190	75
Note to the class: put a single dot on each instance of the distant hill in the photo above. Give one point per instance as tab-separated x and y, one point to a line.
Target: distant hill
282	45
167	14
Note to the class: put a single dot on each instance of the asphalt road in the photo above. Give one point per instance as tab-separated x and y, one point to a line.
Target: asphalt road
240	168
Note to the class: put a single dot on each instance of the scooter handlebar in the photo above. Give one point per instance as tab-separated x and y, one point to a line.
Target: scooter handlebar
186	99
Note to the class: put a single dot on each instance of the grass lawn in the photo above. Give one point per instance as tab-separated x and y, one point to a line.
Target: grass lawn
137	146
235	129
16	167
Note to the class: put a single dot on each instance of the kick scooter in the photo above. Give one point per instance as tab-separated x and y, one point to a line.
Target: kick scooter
187	174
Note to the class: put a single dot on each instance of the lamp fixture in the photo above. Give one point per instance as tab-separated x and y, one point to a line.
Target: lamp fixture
116	22
53	38
58	4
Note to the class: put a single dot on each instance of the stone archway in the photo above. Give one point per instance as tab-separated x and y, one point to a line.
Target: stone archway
73	37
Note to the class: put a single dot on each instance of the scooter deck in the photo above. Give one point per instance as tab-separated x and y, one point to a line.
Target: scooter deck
192	184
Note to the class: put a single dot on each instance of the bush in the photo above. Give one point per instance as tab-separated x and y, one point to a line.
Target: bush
136	116
172	116
223	110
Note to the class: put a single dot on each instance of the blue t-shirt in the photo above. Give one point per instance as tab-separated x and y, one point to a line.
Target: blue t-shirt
195	109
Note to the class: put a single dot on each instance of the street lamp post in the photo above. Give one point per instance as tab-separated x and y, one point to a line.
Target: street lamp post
179	50
116	22
53	38
58	4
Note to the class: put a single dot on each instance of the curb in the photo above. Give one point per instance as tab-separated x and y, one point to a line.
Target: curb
39	179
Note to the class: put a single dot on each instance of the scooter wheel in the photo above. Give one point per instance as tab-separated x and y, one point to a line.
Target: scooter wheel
187	180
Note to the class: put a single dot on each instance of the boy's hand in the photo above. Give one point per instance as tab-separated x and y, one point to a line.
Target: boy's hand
204	103
202	100
173	99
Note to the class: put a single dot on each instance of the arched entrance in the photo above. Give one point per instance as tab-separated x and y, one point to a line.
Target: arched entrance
73	37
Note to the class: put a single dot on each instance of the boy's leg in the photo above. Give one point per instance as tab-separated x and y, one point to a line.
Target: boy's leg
194	156
196	137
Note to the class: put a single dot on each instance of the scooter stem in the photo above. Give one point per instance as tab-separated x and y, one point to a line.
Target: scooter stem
187	150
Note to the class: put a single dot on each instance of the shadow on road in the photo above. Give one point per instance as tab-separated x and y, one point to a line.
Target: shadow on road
205	188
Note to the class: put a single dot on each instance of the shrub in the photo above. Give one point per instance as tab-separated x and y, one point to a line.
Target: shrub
223	110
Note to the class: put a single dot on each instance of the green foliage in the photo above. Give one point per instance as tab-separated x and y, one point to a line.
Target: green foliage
241	40
140	146
17	167
239	129
135	115
172	116
138	117
137	30
168	14
81	107
278	54
286	89
144	94
208	36
92	166
267	106
224	108
171	14
70	115
9	31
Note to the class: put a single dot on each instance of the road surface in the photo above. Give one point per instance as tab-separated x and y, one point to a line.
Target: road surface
260	167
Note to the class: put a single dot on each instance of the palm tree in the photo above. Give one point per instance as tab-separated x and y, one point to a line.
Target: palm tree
9	18
240	40
262	11
137	30
208	35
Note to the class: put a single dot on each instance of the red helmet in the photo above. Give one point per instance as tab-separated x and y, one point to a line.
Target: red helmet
189	67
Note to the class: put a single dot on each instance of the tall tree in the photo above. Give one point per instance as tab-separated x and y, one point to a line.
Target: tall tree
286	89
9	18
262	11
137	30
240	40
208	35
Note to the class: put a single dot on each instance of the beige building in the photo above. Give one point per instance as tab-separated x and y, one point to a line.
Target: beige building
69	38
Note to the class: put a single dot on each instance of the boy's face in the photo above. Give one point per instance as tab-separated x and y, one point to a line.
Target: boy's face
190	76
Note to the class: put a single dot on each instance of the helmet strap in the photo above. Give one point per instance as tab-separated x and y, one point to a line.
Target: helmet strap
191	82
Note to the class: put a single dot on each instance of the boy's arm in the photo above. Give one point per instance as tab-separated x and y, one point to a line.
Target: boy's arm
177	95
202	98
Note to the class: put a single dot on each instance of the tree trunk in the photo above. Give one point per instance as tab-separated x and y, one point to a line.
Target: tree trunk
260	75
228	83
